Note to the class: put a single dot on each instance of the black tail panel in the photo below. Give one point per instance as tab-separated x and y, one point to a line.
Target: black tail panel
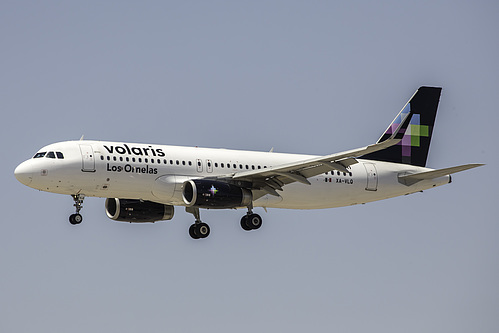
415	144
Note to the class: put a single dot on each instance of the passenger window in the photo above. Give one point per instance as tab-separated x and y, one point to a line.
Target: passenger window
39	155
59	155
50	154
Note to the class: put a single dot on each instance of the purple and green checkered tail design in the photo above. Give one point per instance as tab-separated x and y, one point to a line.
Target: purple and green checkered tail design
415	144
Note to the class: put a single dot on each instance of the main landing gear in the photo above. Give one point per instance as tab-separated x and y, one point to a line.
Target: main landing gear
251	221
77	218
199	229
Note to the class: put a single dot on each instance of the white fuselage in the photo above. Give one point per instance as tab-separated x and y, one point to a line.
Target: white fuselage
157	173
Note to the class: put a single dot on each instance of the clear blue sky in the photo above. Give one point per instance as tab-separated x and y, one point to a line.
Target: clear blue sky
305	77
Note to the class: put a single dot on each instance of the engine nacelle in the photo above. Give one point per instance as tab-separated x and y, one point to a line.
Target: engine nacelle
205	193
128	210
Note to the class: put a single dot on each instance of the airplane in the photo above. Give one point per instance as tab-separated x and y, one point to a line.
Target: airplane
144	182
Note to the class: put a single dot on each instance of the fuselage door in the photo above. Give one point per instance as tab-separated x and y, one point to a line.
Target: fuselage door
372	177
87	157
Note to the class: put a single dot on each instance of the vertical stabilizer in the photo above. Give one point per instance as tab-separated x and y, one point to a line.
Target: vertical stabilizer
415	144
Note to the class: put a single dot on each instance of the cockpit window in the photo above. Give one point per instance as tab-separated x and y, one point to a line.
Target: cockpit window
59	154
50	154
38	155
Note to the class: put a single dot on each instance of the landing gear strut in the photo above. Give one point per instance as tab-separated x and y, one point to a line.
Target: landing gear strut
251	221
199	229
77	218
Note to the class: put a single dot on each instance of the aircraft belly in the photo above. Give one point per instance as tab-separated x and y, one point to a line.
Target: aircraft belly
331	192
324	192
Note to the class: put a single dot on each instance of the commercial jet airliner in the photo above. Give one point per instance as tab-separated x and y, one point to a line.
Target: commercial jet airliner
143	182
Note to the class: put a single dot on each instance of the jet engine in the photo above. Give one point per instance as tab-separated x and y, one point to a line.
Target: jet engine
205	193
137	211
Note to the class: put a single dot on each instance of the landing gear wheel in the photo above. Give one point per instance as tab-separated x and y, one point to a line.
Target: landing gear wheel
244	223
254	221
75	219
251	222
202	230
192	233
199	230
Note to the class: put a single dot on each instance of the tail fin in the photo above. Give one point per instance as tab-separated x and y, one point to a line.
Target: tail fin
415	144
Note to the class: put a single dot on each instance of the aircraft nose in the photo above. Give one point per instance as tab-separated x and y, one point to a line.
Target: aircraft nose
24	173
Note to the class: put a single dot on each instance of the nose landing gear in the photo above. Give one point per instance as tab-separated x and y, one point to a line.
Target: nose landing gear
77	218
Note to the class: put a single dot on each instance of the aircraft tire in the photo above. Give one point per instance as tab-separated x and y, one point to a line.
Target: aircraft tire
75	219
244	223
192	233
254	221
202	230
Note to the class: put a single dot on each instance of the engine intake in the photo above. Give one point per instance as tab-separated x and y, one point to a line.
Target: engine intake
137	211
205	193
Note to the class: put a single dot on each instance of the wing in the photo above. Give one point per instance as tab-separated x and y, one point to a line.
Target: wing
269	180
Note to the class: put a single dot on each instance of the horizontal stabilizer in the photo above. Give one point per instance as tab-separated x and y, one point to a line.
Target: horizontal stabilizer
416	177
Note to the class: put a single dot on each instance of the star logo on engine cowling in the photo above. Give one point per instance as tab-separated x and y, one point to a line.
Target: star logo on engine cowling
213	190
